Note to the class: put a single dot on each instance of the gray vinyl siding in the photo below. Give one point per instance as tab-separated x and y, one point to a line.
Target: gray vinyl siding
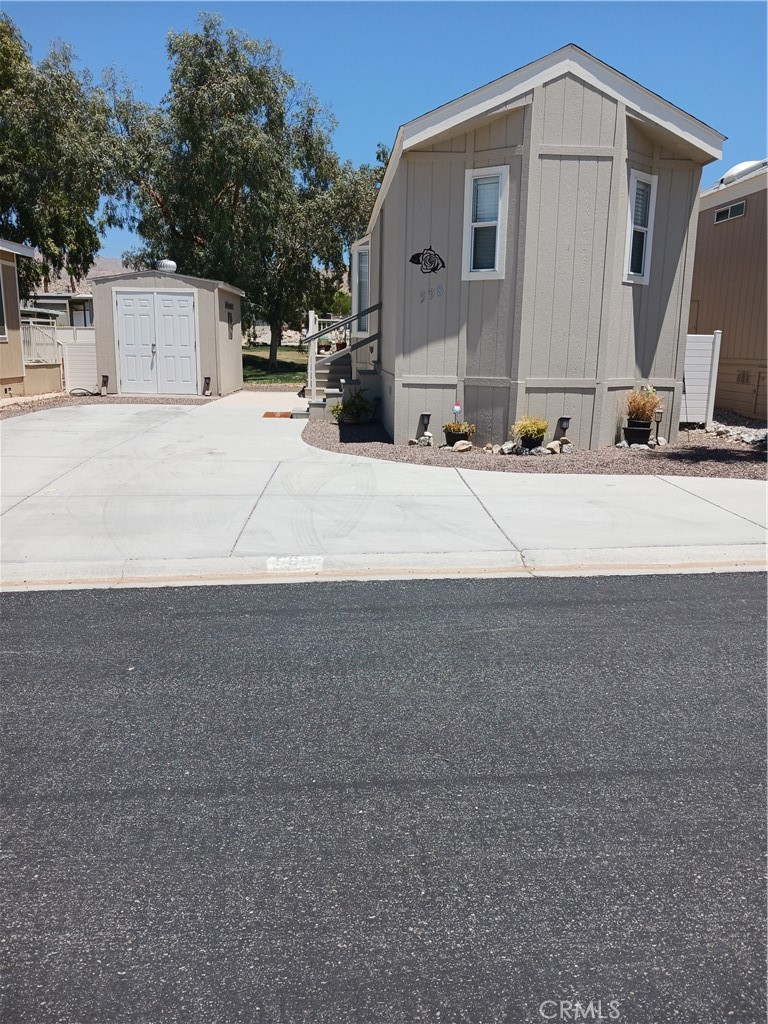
729	294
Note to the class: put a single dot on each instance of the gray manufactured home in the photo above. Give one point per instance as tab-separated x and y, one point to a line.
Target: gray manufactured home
532	249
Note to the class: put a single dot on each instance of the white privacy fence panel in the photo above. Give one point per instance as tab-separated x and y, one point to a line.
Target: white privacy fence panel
80	358
702	355
76	335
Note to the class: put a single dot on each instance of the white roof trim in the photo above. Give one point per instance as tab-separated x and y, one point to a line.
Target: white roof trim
570	59
16	248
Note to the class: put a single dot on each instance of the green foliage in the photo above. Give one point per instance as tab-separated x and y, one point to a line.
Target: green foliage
530	426
56	158
356	407
352	198
459	427
291	366
342	304
231	175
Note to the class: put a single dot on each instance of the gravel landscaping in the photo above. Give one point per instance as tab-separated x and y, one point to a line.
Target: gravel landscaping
696	453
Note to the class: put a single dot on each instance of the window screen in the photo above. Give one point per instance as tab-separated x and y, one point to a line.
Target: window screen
485	217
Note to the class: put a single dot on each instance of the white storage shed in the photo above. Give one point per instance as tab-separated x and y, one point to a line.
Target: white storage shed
163	333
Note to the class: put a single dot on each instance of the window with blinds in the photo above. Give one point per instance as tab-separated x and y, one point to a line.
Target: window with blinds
3	331
642	199
485	223
361	288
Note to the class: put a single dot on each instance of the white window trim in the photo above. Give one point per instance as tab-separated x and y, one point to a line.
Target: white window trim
363	243
724	220
652	180
501	229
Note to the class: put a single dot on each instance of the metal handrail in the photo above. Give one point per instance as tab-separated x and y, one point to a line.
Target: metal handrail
311	343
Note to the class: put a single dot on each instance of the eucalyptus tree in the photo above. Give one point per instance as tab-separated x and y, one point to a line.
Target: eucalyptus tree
230	175
55	158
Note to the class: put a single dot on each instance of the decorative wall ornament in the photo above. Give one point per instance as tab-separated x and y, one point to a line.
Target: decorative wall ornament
428	260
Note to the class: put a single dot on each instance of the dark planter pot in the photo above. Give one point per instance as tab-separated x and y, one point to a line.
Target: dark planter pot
451	438
637	432
531	442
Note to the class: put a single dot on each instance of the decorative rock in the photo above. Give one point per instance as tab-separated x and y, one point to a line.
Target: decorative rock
508	448
412	440
661	441
462	446
567	449
622	444
540	451
640	447
554	447
488	448
519	450
651	442
496	449
425	441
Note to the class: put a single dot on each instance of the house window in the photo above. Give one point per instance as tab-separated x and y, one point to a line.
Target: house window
361	292
3	331
486	193
729	212
642	203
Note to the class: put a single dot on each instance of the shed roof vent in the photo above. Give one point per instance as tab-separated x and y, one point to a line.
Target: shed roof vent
166	266
741	169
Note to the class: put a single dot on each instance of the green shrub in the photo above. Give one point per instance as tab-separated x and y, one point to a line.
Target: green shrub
356	407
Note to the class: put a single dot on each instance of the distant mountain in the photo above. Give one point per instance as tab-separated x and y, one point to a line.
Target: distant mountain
103	266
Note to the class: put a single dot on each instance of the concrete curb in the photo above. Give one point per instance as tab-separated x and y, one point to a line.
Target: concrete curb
308	569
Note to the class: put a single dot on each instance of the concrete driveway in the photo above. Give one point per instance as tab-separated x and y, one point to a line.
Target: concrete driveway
142	493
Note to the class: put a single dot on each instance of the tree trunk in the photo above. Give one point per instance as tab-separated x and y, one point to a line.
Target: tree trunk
275	337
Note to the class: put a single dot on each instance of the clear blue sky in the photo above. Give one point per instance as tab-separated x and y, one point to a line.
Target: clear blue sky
377	65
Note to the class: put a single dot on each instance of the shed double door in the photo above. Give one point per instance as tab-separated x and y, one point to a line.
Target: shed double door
157	343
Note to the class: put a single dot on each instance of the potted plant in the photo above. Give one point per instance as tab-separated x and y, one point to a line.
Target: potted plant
457	430
642	403
530	431
355	409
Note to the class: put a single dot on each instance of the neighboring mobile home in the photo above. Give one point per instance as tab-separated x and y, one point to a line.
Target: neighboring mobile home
532	248
729	284
28	366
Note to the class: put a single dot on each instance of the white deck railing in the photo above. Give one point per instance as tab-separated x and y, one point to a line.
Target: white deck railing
39	343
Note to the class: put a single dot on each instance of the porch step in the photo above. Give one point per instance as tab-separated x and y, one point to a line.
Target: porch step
301	412
330	376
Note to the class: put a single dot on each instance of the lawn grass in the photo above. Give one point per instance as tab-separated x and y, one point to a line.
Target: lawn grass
291	366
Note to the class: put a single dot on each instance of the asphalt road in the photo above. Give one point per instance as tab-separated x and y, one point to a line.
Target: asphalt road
465	801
